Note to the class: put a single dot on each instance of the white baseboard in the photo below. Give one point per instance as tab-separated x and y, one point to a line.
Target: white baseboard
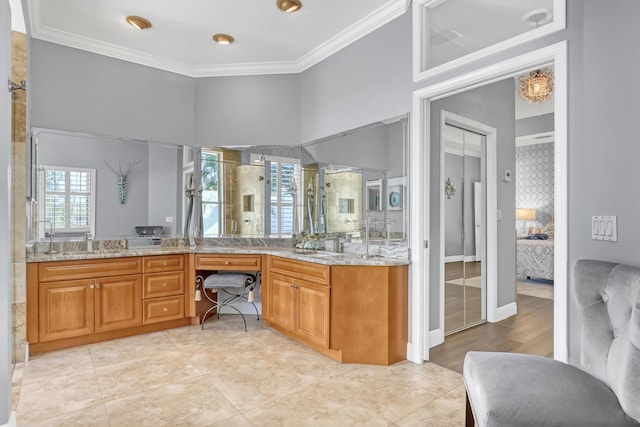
506	311
12	421
436	337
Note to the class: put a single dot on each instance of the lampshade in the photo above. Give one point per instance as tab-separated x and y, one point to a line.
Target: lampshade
537	87
526	214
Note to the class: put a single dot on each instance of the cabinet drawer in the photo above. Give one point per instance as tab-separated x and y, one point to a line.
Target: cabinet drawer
162	309
159	263
163	284
88	269
315	273
228	262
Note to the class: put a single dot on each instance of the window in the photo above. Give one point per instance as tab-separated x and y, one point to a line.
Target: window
211	192
284	174
67	201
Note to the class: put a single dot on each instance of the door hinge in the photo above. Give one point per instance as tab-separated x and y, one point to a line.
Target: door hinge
426	244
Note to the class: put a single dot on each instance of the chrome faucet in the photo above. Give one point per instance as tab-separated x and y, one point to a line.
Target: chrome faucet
51	250
89	239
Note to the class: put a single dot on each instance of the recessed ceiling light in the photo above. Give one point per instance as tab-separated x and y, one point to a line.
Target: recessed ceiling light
223	39
138	22
289	5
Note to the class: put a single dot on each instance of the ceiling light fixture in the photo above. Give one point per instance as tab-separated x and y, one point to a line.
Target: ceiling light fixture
138	22
289	5
223	39
537	87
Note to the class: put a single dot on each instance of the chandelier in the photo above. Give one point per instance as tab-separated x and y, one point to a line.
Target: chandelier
537	86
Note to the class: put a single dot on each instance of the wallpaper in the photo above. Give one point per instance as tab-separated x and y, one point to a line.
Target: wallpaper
534	183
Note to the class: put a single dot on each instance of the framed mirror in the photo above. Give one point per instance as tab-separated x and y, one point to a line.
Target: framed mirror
77	186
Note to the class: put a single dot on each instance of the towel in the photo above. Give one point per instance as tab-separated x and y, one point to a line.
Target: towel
229	280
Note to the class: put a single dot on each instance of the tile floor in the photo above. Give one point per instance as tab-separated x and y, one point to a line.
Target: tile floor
223	376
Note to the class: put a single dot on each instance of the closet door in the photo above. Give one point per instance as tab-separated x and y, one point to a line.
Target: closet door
464	207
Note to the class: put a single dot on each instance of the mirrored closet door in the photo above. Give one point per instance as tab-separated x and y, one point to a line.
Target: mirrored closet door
464	219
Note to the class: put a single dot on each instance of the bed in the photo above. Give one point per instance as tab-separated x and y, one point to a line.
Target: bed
534	259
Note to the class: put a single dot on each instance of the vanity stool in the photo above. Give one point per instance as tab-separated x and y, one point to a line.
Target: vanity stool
225	289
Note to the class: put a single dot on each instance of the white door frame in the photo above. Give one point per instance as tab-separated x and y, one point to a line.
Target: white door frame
418	346
491	226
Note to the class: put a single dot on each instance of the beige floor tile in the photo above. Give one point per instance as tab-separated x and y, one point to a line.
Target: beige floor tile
260	381
445	411
188	402
138	375
54	396
223	376
93	416
130	348
57	364
321	405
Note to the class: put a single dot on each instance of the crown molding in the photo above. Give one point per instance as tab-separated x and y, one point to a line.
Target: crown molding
376	19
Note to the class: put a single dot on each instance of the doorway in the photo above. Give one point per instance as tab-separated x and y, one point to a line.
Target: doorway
427	330
463	181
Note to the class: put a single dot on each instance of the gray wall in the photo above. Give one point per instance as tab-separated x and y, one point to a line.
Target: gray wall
535	124
165	187
493	105
603	150
5	217
80	91
368	81
255	110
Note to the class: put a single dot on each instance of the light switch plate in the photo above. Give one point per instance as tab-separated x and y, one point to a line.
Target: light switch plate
604	227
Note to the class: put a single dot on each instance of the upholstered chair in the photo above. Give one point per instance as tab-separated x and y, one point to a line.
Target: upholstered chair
509	389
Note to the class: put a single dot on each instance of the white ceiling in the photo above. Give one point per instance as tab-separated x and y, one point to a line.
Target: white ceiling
267	40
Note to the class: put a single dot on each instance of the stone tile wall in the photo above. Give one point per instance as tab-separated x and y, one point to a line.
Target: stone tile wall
18	191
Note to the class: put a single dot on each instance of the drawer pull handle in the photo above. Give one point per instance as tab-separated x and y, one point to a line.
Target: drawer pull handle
164	284
164	264
227	263
165	309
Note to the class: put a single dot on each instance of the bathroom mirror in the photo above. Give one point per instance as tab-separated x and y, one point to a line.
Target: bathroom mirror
77	186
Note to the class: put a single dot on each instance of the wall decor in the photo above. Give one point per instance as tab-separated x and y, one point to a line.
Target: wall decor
122	178
396	192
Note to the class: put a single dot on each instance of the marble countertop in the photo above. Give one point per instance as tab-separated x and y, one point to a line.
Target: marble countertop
319	257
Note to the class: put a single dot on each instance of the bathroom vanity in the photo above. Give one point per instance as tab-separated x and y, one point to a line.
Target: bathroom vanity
351	309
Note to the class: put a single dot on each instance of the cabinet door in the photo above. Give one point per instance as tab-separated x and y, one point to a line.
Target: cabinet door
118	302
282	303
313	312
65	309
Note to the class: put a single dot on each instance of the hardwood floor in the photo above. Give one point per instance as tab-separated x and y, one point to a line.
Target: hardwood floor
530	332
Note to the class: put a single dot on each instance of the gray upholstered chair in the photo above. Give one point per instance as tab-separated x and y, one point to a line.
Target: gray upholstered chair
509	389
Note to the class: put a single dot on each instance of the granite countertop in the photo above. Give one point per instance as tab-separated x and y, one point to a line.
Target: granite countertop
319	257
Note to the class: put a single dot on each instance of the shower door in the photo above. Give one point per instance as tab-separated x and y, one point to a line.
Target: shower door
464	219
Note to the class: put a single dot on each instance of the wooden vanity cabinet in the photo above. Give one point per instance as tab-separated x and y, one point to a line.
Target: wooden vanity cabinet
72	308
299	298
79	302
163	288
351	313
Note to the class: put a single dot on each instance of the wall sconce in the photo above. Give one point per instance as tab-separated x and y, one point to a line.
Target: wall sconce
449	189
537	87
